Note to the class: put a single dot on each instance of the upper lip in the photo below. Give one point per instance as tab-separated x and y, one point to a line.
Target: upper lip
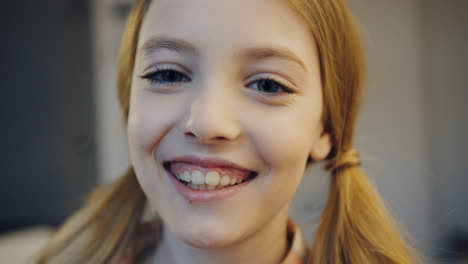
209	162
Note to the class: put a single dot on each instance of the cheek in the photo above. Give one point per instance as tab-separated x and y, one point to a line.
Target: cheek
282	141
150	119
284	136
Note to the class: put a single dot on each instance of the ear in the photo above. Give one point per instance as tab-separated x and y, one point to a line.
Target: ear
321	147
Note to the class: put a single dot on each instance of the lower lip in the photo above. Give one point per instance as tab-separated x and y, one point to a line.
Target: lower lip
193	195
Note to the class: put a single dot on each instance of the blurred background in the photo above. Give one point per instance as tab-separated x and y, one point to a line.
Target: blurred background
63	134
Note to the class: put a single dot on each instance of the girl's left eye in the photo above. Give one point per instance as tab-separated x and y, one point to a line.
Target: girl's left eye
270	86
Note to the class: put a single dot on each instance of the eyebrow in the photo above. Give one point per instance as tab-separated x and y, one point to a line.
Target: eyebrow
182	46
265	53
161	43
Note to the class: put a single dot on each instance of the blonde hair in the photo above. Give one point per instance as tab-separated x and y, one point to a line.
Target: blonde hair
354	227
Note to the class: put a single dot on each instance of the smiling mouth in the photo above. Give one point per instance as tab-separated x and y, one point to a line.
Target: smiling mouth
207	179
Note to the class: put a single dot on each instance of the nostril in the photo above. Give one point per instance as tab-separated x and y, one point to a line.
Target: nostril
190	134
204	139
219	138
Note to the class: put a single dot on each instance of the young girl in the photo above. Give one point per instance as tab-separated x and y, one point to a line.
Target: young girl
226	103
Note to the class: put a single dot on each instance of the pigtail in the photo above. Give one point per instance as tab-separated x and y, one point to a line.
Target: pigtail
102	228
355	227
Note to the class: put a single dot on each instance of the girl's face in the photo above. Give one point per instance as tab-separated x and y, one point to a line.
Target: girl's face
237	81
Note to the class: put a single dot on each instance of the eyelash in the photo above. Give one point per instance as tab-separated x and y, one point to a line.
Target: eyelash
151	78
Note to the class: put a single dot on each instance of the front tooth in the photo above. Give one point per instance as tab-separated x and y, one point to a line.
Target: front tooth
202	187
186	176
212	178
210	187
225	180
197	177
233	181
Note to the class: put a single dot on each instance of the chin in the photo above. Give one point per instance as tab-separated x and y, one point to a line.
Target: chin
206	238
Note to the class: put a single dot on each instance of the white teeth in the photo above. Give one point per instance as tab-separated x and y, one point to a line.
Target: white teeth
186	176
197	177
225	180
211	181
212	178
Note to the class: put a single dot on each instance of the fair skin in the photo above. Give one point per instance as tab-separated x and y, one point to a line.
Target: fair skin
215	102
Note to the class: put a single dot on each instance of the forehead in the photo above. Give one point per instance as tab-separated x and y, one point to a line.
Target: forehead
228	24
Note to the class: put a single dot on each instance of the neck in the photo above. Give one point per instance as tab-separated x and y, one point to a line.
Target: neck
257	248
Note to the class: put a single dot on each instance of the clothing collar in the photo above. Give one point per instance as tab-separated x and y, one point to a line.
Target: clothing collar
298	251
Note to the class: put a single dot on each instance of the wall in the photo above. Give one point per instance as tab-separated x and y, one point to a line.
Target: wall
112	152
392	131
446	64
47	156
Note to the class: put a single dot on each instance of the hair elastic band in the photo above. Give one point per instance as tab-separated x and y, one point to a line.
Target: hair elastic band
347	159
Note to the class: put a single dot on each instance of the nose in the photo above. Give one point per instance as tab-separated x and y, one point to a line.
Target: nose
210	119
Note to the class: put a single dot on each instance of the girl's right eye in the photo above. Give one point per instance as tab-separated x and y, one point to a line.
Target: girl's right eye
166	77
